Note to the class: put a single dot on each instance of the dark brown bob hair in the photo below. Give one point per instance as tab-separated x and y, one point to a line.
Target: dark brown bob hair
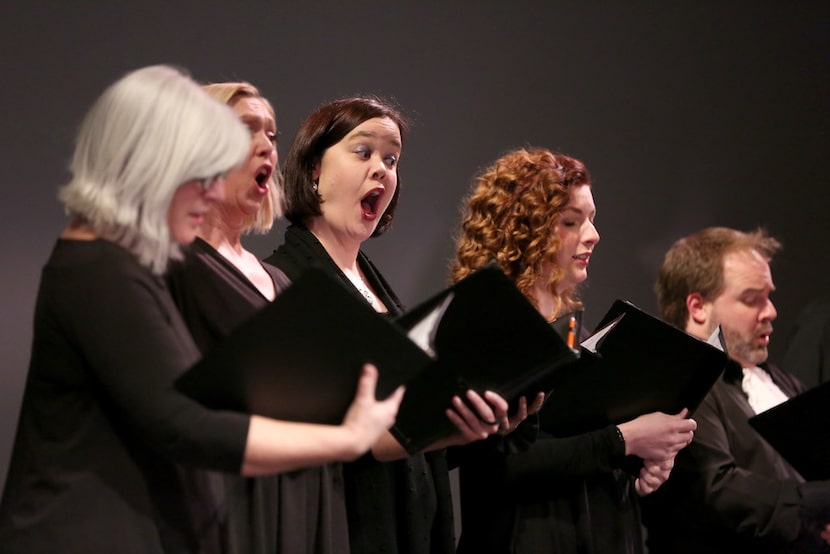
327	126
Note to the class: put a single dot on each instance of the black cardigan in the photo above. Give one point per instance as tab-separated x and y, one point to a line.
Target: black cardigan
403	506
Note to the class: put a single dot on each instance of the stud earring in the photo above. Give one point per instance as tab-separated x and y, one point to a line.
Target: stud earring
314	184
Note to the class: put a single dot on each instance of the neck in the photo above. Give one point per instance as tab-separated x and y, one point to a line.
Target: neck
222	232
700	330
344	254
343	251
747	365
546	302
79	229
225	235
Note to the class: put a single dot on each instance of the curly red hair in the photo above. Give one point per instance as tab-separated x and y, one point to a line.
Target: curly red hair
510	217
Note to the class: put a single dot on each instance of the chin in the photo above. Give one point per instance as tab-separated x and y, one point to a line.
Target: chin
576	280
760	357
183	236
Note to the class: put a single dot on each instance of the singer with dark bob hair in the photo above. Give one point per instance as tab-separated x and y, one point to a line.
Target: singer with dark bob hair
341	189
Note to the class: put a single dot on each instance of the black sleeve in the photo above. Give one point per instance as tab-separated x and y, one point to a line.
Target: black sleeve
732	497
520	440
135	344
551	460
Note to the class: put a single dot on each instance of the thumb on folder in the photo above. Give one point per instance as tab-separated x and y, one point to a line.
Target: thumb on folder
657	436
367	417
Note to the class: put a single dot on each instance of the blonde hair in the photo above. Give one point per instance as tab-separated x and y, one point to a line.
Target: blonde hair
228	93
148	133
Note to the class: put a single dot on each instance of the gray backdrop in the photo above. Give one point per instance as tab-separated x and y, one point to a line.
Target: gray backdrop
688	114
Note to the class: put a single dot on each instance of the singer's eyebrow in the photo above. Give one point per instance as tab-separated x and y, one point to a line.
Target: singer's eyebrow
373	135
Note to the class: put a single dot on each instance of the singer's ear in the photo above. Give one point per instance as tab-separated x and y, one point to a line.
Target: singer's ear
699	308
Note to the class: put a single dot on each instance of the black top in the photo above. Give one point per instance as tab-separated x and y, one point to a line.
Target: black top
302	512
730	491
213	295
101	424
559	495
532	492
404	506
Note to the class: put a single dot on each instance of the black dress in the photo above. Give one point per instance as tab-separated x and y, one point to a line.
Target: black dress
531	492
302	512
565	495
404	506
101	425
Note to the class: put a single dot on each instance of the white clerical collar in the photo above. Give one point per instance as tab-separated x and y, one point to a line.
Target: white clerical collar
762	391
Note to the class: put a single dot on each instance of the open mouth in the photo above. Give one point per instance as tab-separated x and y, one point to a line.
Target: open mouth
197	217
582	257
262	177
369	204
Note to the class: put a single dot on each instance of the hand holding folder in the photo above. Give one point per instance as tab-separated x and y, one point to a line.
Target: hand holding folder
300	357
487	336
632	365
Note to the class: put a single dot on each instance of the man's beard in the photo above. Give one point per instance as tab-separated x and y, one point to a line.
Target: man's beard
743	350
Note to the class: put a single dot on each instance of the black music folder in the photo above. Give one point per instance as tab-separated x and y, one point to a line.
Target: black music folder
799	429
300	357
487	336
633	364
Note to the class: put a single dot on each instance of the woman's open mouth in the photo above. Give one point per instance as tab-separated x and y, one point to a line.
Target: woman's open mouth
369	203
263	175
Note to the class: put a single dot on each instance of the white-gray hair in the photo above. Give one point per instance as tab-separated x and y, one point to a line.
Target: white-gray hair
148	133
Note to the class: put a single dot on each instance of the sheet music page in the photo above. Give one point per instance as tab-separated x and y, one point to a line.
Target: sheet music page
592	342
423	332
716	339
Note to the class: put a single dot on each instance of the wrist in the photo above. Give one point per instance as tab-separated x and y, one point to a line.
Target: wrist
352	442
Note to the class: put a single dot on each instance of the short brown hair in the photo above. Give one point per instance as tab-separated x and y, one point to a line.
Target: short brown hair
695	264
327	126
